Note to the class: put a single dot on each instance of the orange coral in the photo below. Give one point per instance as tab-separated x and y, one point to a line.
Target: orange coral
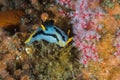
10	17
25	77
9	78
17	72
4	74
2	67
25	66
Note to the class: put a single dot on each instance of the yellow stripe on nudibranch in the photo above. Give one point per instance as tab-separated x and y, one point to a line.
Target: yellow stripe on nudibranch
69	40
43	27
28	40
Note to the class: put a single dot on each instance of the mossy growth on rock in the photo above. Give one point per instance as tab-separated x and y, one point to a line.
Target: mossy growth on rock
108	3
50	62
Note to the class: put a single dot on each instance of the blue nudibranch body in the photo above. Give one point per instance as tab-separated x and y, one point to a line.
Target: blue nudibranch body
49	33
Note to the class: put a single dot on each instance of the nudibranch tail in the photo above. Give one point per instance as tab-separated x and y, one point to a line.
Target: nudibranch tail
69	40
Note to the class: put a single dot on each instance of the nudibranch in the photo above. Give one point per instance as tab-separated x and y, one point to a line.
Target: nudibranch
50	33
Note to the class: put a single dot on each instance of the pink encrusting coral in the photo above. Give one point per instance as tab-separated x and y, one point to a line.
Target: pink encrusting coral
117	44
85	28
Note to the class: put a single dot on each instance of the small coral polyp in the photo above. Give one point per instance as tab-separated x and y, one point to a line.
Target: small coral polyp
117	44
86	27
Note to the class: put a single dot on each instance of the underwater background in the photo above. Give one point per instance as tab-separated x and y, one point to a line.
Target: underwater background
59	39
